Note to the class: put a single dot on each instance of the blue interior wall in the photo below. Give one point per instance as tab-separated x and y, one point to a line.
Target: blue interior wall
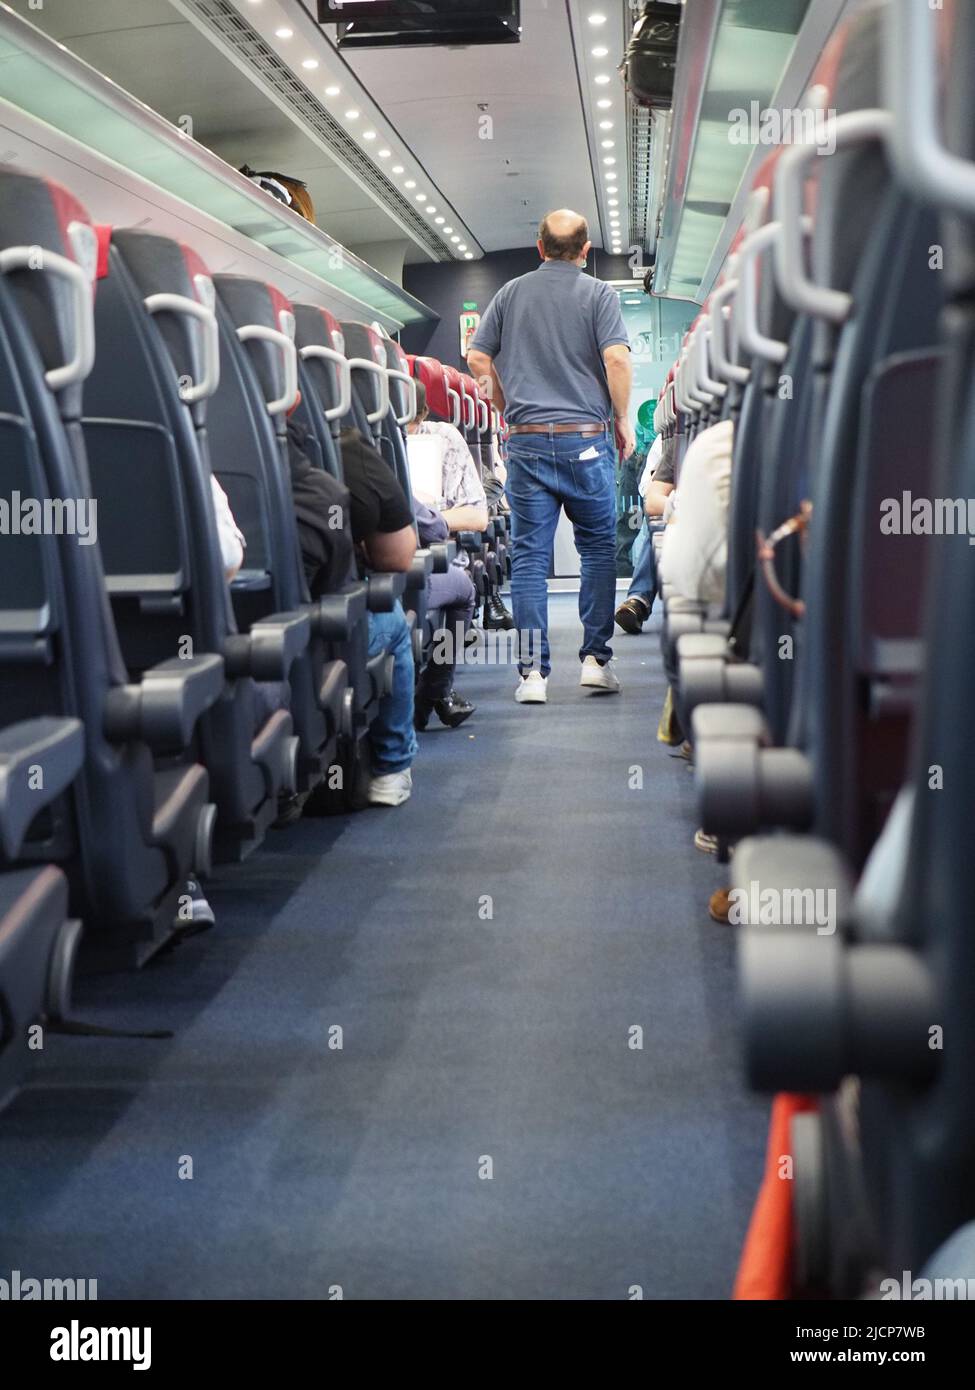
447	286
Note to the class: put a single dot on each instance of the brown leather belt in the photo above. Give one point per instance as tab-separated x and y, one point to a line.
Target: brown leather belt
586	430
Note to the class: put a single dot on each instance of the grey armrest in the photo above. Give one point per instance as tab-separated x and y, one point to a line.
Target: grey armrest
717	680
334	616
444	553
269	650
677	603
694	645
163	708
743	788
421	567
384	590
54	746
470	540
729	721
815	1006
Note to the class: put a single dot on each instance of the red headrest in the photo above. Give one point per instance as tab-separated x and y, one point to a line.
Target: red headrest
279	302
433	375
103	232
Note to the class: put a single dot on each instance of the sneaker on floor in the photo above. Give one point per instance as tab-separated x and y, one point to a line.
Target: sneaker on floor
632	614
532	689
707	844
390	788
597	677
201	915
719	906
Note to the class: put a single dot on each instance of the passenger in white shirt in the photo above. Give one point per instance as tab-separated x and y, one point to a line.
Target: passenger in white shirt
695	550
636	608
232	543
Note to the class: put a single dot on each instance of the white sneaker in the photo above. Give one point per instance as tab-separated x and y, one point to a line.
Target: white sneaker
599	677
532	689
391	789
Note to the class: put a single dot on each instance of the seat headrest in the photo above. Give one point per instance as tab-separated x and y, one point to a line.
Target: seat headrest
161	265
36	211
254	301
315	326
433	375
103	233
363	341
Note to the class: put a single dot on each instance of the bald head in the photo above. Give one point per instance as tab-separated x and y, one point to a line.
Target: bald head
563	236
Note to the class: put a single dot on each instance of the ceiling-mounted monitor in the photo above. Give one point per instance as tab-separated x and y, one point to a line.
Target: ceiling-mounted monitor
421	23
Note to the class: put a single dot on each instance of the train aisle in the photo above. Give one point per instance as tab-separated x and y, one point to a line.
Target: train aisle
485	1011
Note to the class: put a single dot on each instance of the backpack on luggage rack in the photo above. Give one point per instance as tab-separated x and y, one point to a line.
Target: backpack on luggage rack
651	56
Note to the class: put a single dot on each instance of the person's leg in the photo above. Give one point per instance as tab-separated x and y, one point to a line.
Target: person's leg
454	595
391	734
643	585
535	508
588	494
636	608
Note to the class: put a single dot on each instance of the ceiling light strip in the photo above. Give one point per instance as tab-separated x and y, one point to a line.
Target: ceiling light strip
254	54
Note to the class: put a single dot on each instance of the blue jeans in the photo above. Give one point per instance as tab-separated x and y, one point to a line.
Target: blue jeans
545	474
644	562
391	734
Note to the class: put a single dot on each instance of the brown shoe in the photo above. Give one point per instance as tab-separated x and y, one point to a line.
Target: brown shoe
719	906
631	616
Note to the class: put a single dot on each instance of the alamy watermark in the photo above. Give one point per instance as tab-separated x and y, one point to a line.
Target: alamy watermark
24	1288
926	1290
768	125
49	516
756	906
908	515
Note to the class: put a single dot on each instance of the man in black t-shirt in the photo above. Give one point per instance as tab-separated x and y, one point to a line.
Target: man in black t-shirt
381	527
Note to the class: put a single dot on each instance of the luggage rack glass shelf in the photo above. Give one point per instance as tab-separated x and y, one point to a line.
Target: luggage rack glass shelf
41	77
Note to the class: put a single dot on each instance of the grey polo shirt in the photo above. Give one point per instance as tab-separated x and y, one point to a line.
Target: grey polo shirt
546	332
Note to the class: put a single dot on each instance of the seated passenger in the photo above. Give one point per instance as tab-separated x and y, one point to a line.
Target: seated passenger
461	500
695	553
695	550
379	523
454	593
636	608
196	914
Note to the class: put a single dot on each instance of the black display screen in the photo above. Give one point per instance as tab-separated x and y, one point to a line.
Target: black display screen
382	23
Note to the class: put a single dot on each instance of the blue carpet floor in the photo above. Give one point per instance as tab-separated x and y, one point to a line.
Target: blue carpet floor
486	951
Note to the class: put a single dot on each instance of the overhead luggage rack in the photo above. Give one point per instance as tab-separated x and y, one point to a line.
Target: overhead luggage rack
43	79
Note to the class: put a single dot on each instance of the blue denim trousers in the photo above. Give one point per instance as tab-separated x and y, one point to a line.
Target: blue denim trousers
644	562
545	474
391	735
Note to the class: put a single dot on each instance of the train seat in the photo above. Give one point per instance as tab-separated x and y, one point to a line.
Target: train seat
130	831
38	941
249	443
155	310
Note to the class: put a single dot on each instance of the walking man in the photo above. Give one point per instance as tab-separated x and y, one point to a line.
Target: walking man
555	352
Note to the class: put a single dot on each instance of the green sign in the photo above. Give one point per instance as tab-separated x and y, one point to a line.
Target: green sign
470	306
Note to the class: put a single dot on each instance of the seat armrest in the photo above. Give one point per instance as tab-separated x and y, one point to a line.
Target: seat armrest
792	866
163	709
730	721
38	759
471	540
383	591
334	616
269	650
679	604
421	567
444	553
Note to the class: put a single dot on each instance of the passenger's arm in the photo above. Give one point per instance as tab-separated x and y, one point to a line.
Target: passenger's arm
482	369
656	496
467	518
391	550
619	376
